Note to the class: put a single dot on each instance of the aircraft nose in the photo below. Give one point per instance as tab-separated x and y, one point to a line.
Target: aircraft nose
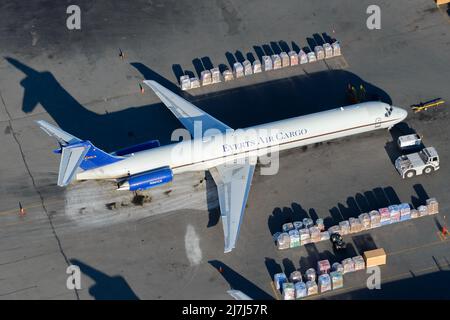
401	113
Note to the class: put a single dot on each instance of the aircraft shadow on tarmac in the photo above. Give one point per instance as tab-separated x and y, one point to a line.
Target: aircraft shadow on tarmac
239	107
106	287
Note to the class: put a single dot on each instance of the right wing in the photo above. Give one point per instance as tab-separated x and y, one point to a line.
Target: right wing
185	111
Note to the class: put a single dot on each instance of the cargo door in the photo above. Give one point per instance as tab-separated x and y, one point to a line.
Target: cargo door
377	122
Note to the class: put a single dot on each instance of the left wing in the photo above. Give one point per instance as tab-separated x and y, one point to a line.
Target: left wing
185	111
233	184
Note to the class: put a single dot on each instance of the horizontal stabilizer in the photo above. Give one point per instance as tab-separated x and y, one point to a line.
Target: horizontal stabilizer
63	137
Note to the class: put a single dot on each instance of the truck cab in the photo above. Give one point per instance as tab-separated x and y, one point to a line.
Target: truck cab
424	161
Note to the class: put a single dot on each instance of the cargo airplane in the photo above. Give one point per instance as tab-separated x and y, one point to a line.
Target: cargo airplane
223	150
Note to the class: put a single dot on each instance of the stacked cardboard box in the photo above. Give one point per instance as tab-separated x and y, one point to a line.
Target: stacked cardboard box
334	229
324	282
355	225
284	59
359	263
337	279
344	227
238	70
310	274
185	82
288	291
311	57
293	58
287	227
257	66
295	276
394	213
279	279
276	61
324	235
323	266
375	219
195	83
300	290
305	237
283	241
302	57
267	63
315	234
247	67
336	49
385	216
311	288
215	74
320	53
307	222
375	257
294	239
206	77
228	75
328	50
432	205
414	213
364	218
405	211
320	224
423	210
348	265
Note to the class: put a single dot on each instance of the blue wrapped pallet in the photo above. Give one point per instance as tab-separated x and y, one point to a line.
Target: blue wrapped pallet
300	290
279	279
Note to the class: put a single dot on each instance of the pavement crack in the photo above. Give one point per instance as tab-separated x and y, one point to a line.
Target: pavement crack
42	201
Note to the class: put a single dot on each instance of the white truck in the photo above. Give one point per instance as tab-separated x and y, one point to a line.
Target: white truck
414	164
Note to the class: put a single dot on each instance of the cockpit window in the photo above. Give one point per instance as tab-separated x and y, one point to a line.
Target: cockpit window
388	111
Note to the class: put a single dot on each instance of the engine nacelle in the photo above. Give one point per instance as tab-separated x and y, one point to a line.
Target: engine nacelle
147	179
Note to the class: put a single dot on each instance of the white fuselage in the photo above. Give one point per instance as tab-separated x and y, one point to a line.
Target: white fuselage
206	152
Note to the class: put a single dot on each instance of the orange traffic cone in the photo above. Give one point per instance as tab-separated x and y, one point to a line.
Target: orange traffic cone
121	54
21	210
141	88
444	231
220	269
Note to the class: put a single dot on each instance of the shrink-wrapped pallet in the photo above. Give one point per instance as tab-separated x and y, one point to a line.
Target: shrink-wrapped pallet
324	282
302	57
215	75
337	280
195	83
323	266
324	235
185	82
247	67
394	213
256	66
206	77
307	222
311	57
344	227
328	50
293	58
300	290
284	59
359	263
432	205
228	75
298	225
364	218
276	235
414	213
405	211
238	70
314	234
311	288
337	267
267	63
276	61
279	279
288	291
375	219
305	237
348	265
355	225
283	241
310	274
336	48
320	53
294	239
287	227
320	224
334	229
423	210
295	276
385	216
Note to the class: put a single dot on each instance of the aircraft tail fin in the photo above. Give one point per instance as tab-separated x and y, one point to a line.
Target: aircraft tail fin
76	153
